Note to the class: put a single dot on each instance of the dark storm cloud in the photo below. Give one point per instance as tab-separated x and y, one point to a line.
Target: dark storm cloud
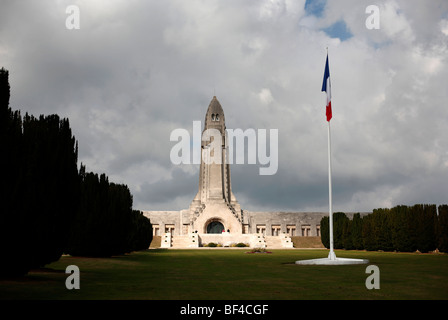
136	70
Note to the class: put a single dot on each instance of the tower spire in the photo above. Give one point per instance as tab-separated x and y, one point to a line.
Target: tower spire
215	201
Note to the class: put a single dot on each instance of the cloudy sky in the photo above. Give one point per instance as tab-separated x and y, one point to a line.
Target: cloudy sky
136	70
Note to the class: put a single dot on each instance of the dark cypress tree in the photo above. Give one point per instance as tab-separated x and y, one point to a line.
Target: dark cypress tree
13	222
120	207
325	232
412	228
339	222
383	229
140	235
401	239
442	229
347	236
105	223
425	216
48	203
357	232
40	185
368	233
52	188
4	91
87	232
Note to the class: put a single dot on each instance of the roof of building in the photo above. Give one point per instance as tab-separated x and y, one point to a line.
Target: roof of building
214	108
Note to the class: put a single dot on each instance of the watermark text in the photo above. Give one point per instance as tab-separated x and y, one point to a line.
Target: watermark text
212	147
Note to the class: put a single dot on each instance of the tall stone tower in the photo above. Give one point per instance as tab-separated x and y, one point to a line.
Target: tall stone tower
215	208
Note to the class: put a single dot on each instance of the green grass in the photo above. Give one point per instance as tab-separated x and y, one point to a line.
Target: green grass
232	274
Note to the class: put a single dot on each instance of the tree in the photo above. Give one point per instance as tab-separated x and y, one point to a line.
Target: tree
105	223
87	231
339	222
325	232
48	205
383	229
425	217
400	222
368	235
141	233
347	236
13	226
356	232
442	230
51	192
40	183
401	228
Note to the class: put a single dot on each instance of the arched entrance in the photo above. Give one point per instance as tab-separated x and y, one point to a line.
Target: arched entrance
215	226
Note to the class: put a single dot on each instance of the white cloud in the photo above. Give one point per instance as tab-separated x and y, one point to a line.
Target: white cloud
444	26
394	23
265	96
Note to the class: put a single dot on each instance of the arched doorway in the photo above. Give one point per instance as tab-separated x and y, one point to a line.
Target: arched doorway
215	227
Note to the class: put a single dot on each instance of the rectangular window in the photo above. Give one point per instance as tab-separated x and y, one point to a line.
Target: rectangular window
275	230
169	228
155	230
261	228
306	231
291	230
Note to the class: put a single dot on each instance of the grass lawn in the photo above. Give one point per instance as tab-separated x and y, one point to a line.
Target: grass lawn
233	274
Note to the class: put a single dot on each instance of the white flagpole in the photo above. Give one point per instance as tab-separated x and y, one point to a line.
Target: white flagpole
331	255
331	259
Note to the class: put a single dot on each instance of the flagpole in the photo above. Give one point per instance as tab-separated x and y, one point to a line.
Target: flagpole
331	255
331	259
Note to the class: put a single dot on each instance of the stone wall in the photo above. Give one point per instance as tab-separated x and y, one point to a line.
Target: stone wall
177	221
287	222
269	223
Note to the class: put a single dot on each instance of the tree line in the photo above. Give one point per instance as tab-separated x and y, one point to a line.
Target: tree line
49	207
422	227
105	223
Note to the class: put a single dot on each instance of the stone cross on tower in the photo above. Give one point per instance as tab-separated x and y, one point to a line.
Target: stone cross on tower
215	206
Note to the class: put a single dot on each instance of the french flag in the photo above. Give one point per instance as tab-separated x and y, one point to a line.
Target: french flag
326	86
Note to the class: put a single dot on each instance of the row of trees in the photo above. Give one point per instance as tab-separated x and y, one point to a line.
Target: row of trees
401	228
48	206
105	223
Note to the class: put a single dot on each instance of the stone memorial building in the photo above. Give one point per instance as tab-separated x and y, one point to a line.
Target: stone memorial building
216	216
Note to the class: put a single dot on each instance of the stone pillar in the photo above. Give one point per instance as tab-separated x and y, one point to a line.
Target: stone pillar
313	230
298	229
166	240
269	229
283	227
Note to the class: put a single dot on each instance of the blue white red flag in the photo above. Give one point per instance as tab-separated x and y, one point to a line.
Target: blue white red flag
326	86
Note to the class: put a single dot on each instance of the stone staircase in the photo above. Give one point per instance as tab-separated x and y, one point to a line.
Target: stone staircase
185	241
258	241
273	242
180	242
281	241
